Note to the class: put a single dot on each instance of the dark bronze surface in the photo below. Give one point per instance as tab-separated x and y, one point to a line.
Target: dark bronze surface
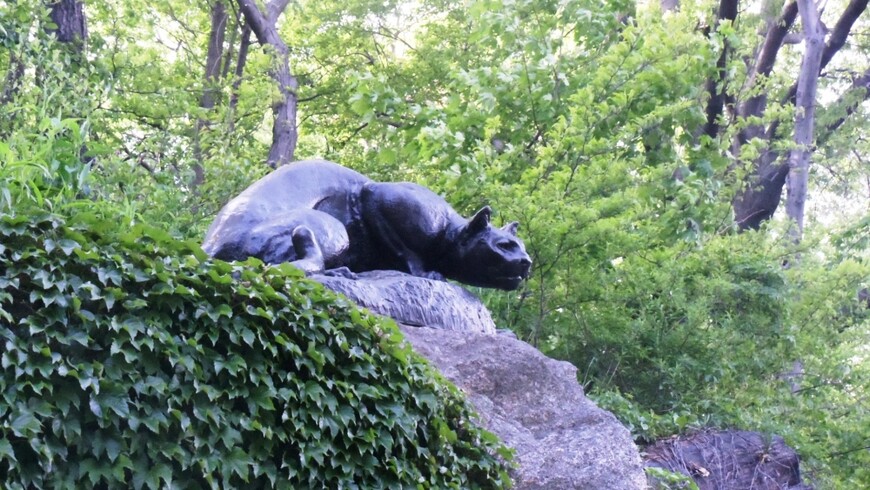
319	216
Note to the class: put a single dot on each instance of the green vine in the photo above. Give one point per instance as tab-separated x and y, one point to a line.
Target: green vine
136	361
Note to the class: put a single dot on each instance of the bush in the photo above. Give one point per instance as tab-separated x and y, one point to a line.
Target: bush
135	361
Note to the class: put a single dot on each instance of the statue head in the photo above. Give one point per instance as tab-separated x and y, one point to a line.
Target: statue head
487	256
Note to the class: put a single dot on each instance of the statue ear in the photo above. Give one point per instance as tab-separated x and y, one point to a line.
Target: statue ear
480	220
511	227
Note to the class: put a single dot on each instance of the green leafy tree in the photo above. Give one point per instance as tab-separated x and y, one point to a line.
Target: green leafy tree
588	125
632	143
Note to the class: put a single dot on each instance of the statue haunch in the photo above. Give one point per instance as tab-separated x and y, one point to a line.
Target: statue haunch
319	215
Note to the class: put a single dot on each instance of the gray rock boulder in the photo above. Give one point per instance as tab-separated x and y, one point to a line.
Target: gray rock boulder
533	403
536	406
414	300
730	460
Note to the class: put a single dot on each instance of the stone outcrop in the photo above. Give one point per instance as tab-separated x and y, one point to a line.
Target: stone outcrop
730	460
536	406
414	300
533	403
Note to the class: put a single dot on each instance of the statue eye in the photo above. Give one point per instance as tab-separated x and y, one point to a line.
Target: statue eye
507	246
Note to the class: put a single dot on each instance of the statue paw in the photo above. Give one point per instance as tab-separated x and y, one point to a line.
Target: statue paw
308	253
434	275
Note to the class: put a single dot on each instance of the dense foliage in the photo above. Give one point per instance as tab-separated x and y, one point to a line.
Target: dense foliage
132	361
583	120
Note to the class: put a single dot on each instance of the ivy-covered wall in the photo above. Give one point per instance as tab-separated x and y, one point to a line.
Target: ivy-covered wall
135	361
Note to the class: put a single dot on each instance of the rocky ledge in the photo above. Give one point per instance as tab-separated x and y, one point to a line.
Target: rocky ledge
536	406
533	403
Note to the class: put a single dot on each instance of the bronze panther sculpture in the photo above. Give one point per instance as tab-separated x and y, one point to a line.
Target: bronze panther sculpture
319	215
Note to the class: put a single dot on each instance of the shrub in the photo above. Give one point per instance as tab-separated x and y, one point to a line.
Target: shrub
134	360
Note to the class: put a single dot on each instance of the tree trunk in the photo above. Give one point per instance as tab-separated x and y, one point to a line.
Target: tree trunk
716	86
837	39
213	59
13	78
668	5
757	203
69	19
69	28
71	31
239	71
215	54
284	133
773	41
761	197
805	101
231	46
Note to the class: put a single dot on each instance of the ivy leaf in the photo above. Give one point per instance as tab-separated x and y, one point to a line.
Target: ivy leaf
117	403
68	246
156	473
239	463
6	450
25	425
95	407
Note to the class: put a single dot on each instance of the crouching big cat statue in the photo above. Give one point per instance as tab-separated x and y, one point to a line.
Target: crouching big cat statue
321	216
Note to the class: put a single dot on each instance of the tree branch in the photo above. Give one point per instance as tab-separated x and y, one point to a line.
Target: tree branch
852	102
758	201
284	133
214	56
774	39
240	67
274	10
805	102
13	78
231	45
837	39
842	28
776	33
853	450
262	28
716	85
207	101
